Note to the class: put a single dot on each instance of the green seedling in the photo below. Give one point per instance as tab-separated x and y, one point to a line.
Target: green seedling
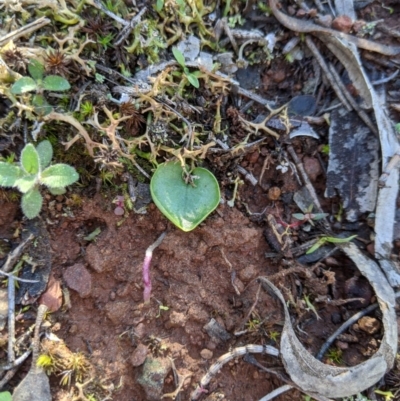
309	217
397	128
38	83
335	355
185	204
333	240
161	308
274	335
105	41
387	394
325	149
310	306
191	77
93	235
33	171
253	324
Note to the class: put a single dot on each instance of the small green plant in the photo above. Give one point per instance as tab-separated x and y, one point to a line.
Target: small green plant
185	204
325	149
105	41
335	355
86	109
387	394
159	5
38	83
333	240
310	306
274	335
191	77
253	324
309	217
5	396
34	170
397	128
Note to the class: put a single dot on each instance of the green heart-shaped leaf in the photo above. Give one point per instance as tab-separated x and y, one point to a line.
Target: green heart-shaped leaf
184	204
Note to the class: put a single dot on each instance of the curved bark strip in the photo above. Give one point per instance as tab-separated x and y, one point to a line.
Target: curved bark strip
312	375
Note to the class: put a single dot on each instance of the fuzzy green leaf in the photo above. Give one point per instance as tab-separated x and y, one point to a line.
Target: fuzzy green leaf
59	175
193	80
5	396
55	83
36	70
23	85
9	174
26	183
57	191
30	159
179	56
184	204
45	151
31	203
159	5
41	106
298	216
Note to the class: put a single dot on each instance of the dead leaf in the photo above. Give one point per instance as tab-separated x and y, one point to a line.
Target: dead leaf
313	376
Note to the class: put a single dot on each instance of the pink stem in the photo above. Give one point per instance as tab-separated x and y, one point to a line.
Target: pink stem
146	268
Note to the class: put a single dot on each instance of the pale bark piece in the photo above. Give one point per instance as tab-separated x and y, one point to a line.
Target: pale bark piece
3	307
313	376
345	7
34	387
353	169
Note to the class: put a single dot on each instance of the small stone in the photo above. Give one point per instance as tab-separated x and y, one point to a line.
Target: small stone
140	330
342	345
206	353
253	157
312	167
52	297
112	295
279	76
342	23
336	318
152	377
118	311
177	319
139	355
79	279
274	193
369	324
325	20
371	248
73	329
248	273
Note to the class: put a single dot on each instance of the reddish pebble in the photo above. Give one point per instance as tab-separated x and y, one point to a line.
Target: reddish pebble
119	211
206	353
79	279
371	248
279	76
274	193
312	167
139	355
343	23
